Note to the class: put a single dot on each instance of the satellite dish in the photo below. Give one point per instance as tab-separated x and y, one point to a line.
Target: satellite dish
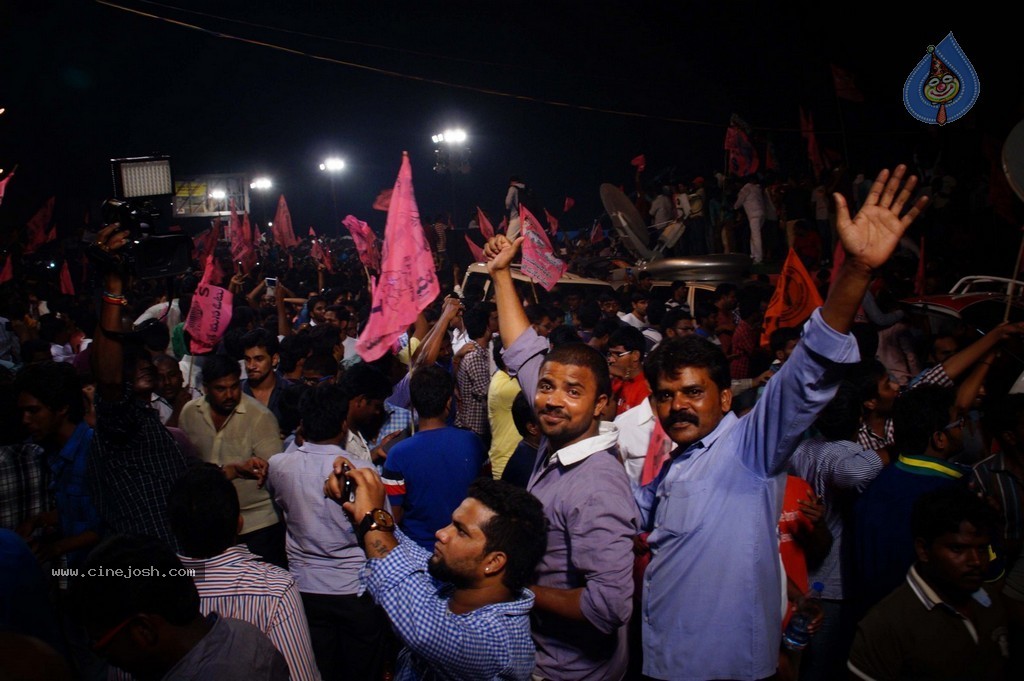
1013	159
1013	168
626	221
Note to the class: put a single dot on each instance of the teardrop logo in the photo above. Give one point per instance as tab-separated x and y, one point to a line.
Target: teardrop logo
943	86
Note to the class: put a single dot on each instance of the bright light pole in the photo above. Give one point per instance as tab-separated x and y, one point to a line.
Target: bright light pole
261	185
451	155
332	166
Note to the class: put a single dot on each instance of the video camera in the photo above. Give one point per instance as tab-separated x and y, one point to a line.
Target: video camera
151	251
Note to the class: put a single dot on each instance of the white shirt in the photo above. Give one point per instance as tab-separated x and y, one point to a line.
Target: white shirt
635	429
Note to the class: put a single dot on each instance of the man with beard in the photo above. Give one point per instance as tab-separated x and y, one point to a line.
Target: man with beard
713	509
584	583
463	612
236	432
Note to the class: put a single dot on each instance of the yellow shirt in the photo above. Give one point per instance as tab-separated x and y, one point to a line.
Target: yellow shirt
504	436
251	430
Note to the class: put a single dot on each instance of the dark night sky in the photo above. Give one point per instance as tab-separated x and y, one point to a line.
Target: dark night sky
83	82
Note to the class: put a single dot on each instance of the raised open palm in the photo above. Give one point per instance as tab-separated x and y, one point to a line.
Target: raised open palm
871	236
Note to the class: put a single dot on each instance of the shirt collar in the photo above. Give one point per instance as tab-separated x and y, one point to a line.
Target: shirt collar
927	465
705	442
81	432
929	598
606	438
230	556
313	448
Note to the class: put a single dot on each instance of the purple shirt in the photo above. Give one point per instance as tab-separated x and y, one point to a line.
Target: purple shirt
592	521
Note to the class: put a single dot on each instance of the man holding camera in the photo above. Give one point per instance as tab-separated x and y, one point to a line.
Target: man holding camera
463	612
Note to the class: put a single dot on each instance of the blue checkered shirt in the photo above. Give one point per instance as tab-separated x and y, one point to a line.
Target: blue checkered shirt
492	642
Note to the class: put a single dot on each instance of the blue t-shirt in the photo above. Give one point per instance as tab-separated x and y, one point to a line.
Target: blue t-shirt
428	475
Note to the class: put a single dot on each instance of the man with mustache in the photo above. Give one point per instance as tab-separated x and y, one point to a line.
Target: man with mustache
711	594
584	583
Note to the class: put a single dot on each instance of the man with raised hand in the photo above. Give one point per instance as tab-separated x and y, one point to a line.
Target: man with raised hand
584	583
711	594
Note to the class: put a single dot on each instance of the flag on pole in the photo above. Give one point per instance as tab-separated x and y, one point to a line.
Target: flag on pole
597	233
283	233
408	282
319	253
743	158
539	260
66	286
813	150
476	251
3	186
37	230
365	240
242	249
212	305
7	273
486	228
794	299
846	87
552	222
569	203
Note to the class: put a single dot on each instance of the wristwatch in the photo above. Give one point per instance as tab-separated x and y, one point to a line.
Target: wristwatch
377	519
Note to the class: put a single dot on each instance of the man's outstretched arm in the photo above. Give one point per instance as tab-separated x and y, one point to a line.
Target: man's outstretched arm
512	320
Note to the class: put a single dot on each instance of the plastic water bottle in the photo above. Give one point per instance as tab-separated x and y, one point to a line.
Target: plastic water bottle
797	636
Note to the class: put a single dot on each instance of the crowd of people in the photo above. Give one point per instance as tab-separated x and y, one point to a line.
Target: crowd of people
528	485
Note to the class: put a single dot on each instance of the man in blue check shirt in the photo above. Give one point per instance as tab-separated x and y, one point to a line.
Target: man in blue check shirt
462	612
711	594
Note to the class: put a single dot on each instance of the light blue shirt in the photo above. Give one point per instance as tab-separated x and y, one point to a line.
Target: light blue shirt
712	593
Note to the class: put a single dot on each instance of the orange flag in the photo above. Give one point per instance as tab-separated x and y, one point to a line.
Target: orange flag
795	298
66	287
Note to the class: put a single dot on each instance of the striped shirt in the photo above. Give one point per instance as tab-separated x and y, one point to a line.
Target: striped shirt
868	439
238	585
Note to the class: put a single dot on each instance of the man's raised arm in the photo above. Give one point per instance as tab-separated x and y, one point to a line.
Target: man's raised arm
869	239
512	321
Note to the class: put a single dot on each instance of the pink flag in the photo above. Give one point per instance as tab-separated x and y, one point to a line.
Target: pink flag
478	253
407	283
366	241
283	233
743	158
486	228
210	314
658	449
234	226
319	253
597	234
383	200
552	222
640	162
241	248
66	287
539	261
7	273
37	230
3	186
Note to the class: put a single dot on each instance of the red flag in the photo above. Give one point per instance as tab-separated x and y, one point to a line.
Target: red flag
408	283
743	158
383	200
365	240
66	287
552	222
283	233
319	253
569	203
7	273
486	228
3	186
813	150
796	297
658	449
845	86
478	253
597	233
241	248
539	260
37	230
640	162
